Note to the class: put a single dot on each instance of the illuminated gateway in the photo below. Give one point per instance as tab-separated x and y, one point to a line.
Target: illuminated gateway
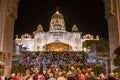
56	39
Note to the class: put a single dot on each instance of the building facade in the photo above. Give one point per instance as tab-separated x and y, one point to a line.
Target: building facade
56	39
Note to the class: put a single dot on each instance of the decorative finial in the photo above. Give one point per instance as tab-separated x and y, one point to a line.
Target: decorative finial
57	11
16	36
57	8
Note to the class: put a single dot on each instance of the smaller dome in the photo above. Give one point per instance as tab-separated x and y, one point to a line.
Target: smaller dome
39	28
74	28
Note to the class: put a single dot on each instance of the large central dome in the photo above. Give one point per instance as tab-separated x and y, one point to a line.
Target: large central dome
57	23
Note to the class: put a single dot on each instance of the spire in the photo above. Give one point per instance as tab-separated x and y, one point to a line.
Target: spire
57	12
97	37
57	8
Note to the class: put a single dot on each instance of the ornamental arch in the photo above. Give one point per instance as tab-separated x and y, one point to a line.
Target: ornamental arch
8	14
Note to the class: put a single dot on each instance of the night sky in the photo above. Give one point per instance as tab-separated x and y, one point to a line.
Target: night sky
88	15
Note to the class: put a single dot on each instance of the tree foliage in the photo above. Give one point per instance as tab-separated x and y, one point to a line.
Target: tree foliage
102	45
117	70
1	69
101	48
117	58
19	69
117	51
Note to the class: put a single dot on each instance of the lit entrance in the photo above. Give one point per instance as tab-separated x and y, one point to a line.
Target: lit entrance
57	46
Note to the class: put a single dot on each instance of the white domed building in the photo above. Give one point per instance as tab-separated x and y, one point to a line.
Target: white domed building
56	39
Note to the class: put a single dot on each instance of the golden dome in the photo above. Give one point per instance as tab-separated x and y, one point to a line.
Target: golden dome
57	15
57	23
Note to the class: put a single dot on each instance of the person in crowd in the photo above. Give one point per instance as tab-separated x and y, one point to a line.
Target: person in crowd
51	77
92	76
70	76
35	77
61	77
18	76
22	76
116	76
27	75
102	77
3	77
46	76
112	77
87	76
41	77
13	77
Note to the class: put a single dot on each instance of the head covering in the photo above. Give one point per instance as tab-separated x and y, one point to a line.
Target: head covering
69	72
44	71
111	74
51	74
40	76
60	73
102	76
13	74
92	74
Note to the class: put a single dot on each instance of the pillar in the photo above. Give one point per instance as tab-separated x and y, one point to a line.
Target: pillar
8	14
112	15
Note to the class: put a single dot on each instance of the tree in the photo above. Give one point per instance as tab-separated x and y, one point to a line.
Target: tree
19	69
117	51
117	70
1	69
102	45
117	60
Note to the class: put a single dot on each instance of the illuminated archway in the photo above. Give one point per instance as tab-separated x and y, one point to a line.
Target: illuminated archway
57	46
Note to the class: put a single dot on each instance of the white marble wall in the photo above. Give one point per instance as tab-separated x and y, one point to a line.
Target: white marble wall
71	38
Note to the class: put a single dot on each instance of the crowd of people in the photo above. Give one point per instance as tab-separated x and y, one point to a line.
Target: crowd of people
58	66
50	59
59	75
